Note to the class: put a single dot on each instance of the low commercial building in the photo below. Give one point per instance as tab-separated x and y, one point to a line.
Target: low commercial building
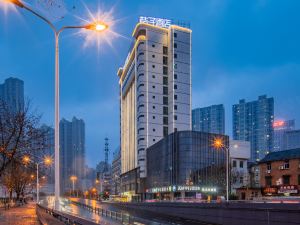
280	173
239	158
186	165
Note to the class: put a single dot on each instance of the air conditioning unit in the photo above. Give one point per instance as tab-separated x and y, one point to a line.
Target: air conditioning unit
281	167
268	171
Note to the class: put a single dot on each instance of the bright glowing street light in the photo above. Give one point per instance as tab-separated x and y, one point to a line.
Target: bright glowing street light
16	2
96	26
219	144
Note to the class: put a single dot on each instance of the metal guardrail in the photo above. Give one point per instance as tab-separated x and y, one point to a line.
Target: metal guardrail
123	218
66	219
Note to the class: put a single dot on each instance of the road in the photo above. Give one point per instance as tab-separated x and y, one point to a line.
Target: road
148	217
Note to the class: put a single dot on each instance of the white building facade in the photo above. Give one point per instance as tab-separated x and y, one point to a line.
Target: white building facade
155	89
239	152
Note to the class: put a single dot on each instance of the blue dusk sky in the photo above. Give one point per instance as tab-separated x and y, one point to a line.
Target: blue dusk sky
241	49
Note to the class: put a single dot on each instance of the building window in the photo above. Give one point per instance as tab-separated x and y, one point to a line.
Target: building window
175	117
286	179
165	110
175	107
241	180
175	45
175	35
175	129
269	167
153	66
165	50
165	100
153	117
165	81
153	140
241	164
268	180
153	130
166	132
175	76
153	87
234	164
175	56
153	76
140	116
165	70
165	60
140	129
140	139
286	165
165	120
175	97
153	56
153	46
153	107
175	66
153	96
175	86
165	90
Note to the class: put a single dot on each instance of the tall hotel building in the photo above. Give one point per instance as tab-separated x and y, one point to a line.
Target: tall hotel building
253	121
155	89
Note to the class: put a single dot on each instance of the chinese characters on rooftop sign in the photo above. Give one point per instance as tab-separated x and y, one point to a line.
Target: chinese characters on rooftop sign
164	23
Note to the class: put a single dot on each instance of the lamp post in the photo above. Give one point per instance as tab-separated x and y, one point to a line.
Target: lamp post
219	144
98	26
47	161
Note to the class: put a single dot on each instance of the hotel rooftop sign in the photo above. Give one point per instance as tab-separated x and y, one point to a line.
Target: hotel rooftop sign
164	23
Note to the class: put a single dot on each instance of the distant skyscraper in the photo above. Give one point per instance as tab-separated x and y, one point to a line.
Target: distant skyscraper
12	93
253	121
291	139
280	129
209	119
155	89
72	151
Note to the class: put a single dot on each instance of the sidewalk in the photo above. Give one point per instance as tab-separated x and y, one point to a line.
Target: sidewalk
23	215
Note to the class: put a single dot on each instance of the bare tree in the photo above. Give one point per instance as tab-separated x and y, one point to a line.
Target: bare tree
19	134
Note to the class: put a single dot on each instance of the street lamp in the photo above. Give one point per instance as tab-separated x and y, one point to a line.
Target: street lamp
47	161
219	144
97	26
73	179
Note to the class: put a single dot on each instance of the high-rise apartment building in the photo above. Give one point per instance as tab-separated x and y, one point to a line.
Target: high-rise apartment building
209	119
253	121
291	140
72	152
155	89
12	93
280	129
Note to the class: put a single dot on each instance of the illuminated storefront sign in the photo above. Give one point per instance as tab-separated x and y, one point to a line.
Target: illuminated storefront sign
290	189
175	188
279	123
164	23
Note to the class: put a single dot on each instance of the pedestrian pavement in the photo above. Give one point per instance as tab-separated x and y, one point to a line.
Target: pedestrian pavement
23	215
